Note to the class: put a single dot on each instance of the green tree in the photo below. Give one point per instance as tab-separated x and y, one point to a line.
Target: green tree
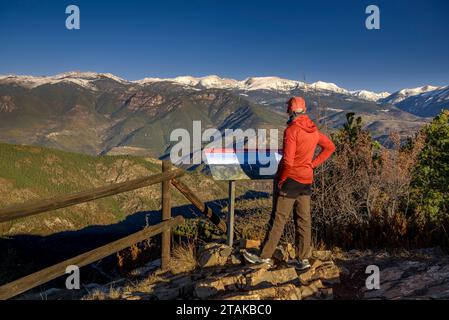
352	135
431	178
353	127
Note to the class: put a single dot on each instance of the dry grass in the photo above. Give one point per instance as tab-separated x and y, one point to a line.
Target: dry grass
183	259
146	285
113	293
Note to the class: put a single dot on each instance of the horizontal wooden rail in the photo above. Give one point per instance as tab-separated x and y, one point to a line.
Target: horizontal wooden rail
39	206
24	284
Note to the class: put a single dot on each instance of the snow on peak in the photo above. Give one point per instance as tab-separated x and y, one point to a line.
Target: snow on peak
369	95
248	84
211	81
83	79
87	80
406	93
186	80
269	83
148	80
328	86
77	75
415	91
214	81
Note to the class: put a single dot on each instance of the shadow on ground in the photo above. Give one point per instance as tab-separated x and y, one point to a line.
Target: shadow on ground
23	254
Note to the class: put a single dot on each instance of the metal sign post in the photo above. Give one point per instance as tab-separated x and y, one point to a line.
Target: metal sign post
231	205
229	164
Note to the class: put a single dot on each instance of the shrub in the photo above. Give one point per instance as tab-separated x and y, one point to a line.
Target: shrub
361	194
430	183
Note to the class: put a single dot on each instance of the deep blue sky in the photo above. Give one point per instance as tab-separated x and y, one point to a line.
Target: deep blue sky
318	40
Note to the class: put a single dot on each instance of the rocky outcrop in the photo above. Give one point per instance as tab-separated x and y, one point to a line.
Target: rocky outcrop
417	274
143	101
401	282
223	275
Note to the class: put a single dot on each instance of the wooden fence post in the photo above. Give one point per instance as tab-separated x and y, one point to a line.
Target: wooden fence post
166	215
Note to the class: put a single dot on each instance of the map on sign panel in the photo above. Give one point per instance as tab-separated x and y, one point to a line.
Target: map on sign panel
242	164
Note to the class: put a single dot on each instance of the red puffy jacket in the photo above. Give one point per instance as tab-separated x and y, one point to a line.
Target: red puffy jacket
300	140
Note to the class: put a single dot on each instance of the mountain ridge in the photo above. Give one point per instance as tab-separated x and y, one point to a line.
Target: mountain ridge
208	82
215	82
99	113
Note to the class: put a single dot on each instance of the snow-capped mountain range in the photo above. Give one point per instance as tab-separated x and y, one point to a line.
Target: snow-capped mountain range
84	79
265	83
98	113
424	101
407	93
87	80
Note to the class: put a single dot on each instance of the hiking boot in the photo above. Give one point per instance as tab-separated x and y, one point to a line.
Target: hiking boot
301	265
256	259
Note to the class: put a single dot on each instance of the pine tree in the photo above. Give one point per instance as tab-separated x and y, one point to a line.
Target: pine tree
431	177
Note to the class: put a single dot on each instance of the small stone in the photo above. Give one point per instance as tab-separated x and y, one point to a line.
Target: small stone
284	275
311	289
316	264
306	292
291	251
235	259
280	254
323	255
213	255
317	284
307	276
256	277
265	277
249	244
211	287
328	273
225	251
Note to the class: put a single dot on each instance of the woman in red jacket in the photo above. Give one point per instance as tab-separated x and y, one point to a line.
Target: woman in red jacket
294	181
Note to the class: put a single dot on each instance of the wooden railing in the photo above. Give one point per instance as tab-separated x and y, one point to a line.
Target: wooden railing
167	178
